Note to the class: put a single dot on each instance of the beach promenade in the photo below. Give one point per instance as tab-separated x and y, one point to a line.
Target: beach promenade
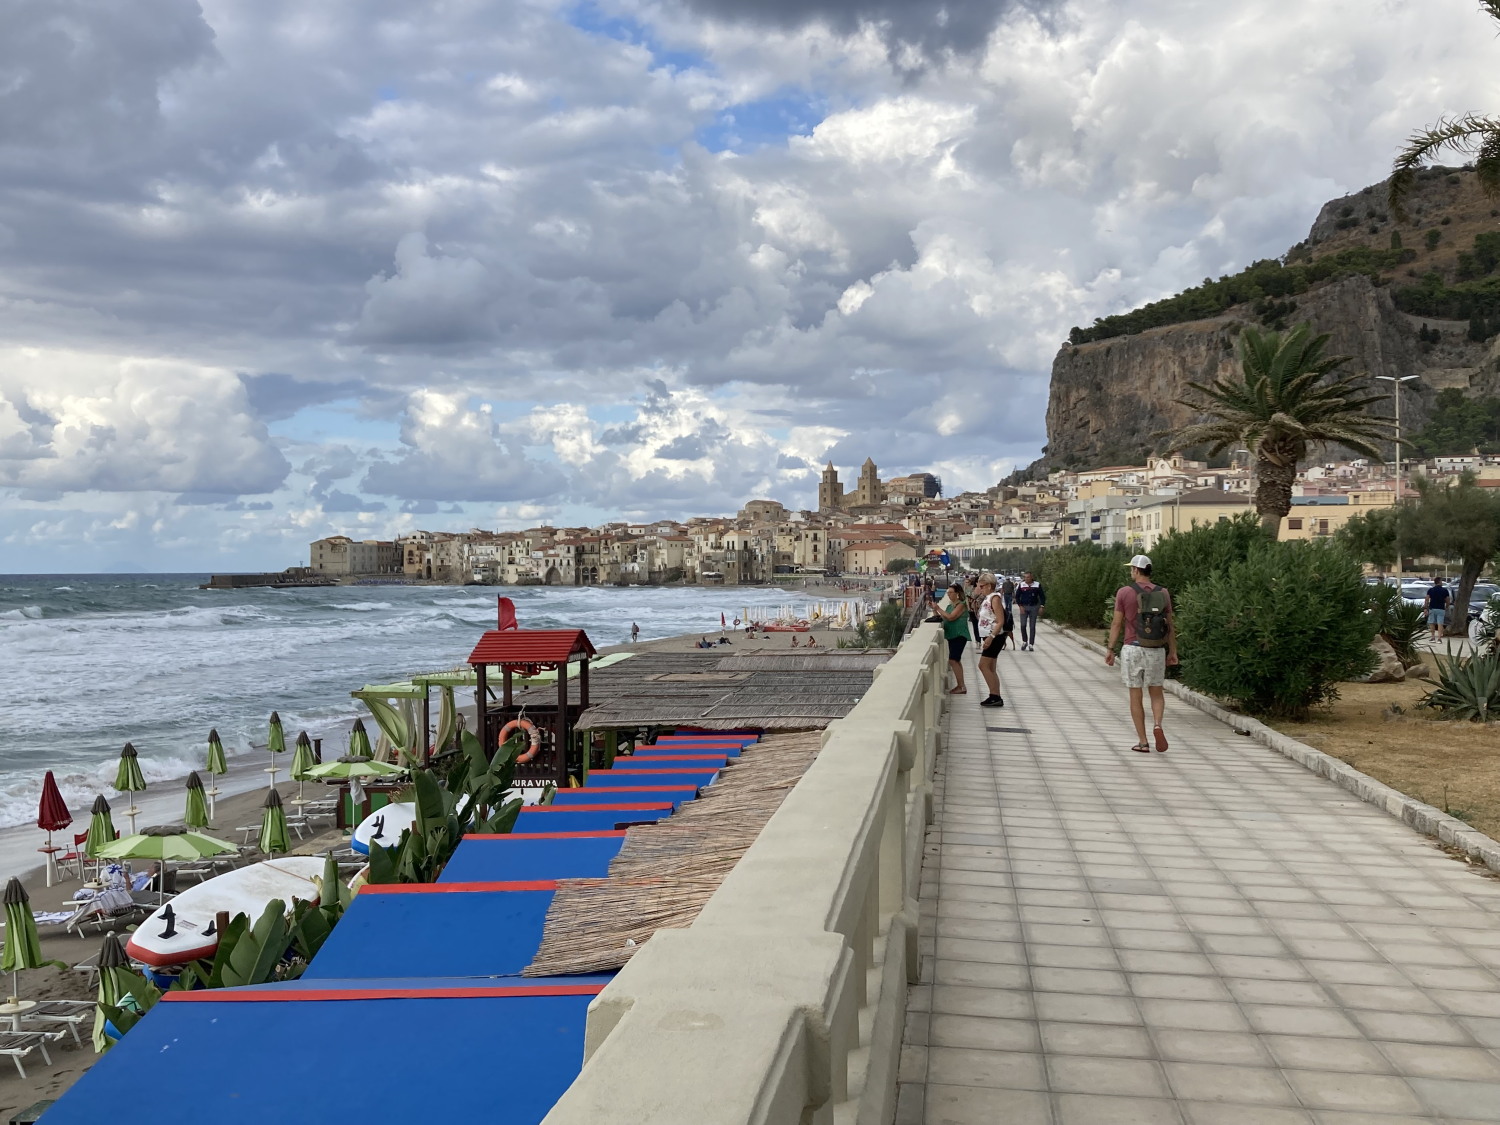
1211	936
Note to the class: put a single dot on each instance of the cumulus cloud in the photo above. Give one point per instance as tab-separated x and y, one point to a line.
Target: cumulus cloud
72	421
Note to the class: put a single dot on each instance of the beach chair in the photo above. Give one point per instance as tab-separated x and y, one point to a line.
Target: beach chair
75	857
89	967
69	1013
19	1044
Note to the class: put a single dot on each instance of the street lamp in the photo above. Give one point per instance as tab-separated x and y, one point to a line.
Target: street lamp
1395	381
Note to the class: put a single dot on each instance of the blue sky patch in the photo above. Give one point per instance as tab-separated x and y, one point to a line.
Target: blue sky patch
769	121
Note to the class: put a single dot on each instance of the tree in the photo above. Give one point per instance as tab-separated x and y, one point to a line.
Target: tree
1371	537
1454	520
1471	134
1285	399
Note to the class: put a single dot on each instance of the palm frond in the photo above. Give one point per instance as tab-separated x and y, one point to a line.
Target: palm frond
1492	7
1487	162
1469	134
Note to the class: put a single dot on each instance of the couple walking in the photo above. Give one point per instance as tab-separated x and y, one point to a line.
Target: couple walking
994	626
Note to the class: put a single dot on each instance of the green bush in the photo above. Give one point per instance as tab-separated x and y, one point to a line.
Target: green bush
1468	687
1182	558
1081	581
1277	632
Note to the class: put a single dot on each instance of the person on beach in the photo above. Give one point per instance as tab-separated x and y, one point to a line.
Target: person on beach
1033	600
1008	592
1436	605
991	637
1144	610
954	611
635	632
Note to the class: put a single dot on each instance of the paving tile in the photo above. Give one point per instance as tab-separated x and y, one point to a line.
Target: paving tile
1428	1060
1078	1008
1371	1093
1171	986
1209	1082
1223	1113
960	1066
980	1105
1410	1027
1233	1048
1284	1019
1080	1074
1313	1052
1095	1109
1095	1039
992	1003
982	1034
1477	1100
1193	1015
1072	957
1099	982
1305	993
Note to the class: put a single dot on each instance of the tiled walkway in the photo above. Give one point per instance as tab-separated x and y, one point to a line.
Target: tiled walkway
1212	936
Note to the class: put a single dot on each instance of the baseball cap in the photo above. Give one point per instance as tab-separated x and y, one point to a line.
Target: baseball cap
1140	562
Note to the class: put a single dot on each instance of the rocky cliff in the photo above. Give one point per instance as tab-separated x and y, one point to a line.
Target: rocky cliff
1111	397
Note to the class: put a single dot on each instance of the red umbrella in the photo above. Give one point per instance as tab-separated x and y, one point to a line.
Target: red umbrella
52	815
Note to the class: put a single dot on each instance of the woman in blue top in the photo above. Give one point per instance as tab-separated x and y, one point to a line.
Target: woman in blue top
955	615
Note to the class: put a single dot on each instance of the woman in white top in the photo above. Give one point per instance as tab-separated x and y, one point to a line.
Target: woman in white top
991	637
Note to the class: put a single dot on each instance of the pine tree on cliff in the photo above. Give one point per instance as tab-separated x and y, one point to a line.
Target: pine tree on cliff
1471	134
1285	399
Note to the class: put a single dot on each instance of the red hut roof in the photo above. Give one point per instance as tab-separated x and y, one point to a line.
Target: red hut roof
531	646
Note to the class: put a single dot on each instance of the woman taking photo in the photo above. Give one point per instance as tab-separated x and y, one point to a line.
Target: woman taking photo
991	637
955	615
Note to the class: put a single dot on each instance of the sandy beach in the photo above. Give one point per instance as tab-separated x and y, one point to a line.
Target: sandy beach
242	791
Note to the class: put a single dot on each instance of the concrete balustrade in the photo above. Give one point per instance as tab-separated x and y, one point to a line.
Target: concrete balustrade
784	1001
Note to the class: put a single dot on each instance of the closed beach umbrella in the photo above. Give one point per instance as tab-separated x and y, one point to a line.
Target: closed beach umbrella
128	779
101	828
273	836
115	980
196	815
217	767
302	761
23	948
276	744
52	815
359	741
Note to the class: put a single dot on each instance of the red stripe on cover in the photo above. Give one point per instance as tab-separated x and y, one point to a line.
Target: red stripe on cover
544	835
634	788
632	773
228	996
532	810
458	888
677	758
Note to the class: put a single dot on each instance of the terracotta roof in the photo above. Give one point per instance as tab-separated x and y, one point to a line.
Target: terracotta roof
531	646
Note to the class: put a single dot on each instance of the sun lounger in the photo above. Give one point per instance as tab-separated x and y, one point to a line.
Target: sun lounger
19	1044
70	1013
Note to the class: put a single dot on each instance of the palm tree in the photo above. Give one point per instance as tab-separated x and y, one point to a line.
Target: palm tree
1283	402
1470	134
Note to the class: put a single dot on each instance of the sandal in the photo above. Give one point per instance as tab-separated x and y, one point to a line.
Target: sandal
959	691
1141	748
1161	739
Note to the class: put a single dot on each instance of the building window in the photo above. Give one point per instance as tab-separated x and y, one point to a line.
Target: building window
1322	527
1294	525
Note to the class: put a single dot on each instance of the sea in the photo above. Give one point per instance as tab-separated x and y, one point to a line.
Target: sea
91	662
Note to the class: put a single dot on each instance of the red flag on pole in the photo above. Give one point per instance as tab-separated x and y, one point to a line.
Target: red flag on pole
722	621
508	615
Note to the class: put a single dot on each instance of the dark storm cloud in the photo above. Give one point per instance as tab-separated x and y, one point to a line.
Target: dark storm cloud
274	396
930	26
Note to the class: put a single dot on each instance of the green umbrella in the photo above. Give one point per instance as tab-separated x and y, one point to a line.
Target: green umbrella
217	767
302	761
101	828
128	779
196	815
273	836
353	766
166	842
276	744
359	741
120	986
23	948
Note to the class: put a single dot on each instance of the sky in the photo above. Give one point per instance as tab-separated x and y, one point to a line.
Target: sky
271	270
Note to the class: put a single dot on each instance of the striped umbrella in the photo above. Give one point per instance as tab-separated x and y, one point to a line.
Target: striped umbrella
359	741
273	837
23	948
196	815
101	828
217	767
302	761
276	744
128	779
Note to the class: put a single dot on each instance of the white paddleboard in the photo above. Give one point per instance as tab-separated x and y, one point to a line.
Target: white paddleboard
391	820
243	891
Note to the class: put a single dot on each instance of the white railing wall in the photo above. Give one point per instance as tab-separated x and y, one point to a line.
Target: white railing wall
784	1002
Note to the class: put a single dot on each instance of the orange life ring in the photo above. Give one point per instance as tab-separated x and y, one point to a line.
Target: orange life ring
532	733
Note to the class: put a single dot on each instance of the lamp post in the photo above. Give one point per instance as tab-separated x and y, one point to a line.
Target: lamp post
1395	381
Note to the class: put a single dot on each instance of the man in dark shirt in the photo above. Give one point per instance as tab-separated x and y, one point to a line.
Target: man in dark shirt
1436	605
1032	599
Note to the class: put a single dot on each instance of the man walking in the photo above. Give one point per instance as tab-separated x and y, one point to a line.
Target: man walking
1008	592
1144	610
1032	599
1436	605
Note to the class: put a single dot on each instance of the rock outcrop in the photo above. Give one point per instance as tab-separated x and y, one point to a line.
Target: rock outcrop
1110	399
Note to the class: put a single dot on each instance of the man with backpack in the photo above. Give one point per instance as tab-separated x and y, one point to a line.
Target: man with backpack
1144	611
